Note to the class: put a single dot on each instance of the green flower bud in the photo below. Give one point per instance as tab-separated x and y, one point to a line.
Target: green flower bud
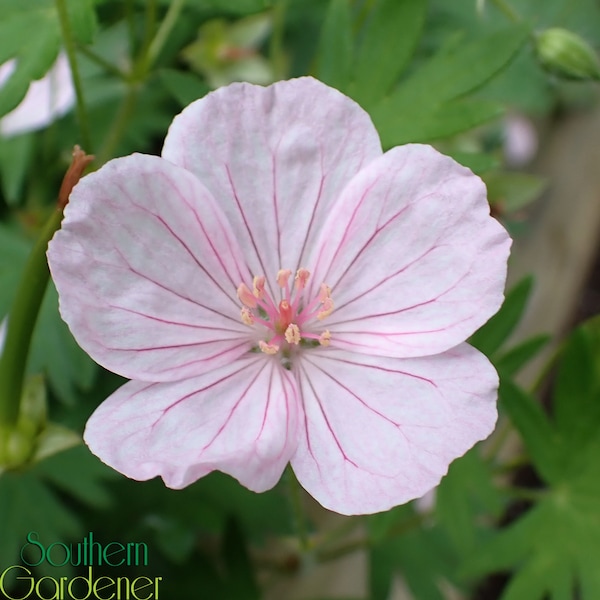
19	442
17	446
567	55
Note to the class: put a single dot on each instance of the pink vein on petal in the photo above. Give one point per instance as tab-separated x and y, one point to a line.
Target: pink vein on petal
243	215
322	411
190	253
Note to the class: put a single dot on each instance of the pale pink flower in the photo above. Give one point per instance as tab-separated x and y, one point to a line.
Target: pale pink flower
281	291
46	100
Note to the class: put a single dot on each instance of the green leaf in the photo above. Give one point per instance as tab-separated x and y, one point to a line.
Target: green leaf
241	582
15	158
30	32
226	7
335	48
26	504
516	358
496	331
82	20
421	123
426	106
513	191
79	474
54	439
539	435
576	399
463	68
387	43
423	557
465	495
552	545
478	162
35	57
184	87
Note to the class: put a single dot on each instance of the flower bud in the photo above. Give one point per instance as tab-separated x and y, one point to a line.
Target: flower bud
567	55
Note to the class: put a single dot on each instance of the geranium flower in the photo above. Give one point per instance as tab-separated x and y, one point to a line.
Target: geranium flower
279	290
46	100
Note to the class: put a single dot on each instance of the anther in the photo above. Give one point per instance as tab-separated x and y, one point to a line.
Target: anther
325	338
324	292
268	348
301	278
247	316
246	297
292	334
282	277
326	310
259	286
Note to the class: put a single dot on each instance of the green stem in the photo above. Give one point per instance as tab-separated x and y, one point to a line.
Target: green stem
508	11
69	43
325	555
149	26
129	18
151	49
119	125
298	515
21	322
27	301
102	62
163	32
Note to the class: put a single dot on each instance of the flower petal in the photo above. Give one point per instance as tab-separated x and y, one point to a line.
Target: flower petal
415	262
147	269
276	158
382	431
241	419
46	100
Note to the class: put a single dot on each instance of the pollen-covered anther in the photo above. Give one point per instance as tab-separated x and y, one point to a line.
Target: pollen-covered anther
325	338
246	297
283	276
268	348
326	310
247	316
301	278
324	292
292	334
259	286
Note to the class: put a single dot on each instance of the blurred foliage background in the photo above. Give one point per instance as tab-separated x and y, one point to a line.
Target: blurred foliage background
478	79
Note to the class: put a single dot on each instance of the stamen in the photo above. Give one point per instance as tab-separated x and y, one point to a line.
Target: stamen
247	316
288	322
302	276
259	286
282	277
292	334
245	296
268	348
326	310
324	292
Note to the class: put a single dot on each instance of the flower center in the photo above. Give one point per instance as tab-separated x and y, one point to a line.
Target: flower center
288	322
